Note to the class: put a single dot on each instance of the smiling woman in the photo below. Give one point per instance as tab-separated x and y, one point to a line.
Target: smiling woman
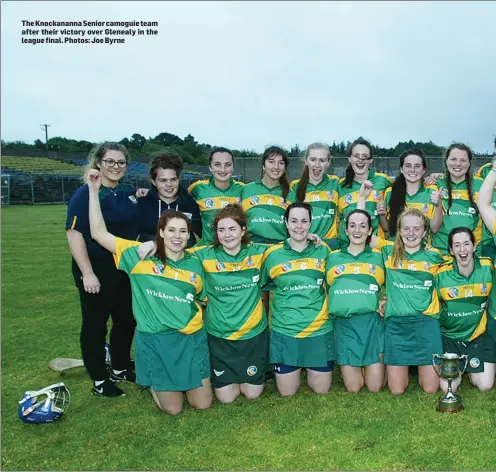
104	291
171	344
235	319
167	193
320	191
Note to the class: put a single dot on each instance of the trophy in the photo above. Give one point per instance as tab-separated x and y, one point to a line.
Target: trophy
450	368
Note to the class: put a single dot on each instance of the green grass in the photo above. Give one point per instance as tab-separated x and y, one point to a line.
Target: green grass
339	430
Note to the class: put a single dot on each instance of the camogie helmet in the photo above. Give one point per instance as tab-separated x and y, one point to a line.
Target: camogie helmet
45	405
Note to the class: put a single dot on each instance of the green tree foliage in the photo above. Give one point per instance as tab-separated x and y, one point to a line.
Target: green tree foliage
193	152
137	141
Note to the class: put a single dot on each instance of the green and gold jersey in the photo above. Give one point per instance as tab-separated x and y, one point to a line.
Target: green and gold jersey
464	299
484	170
354	282
299	305
264	208
323	198
348	199
420	200
492	296
487	234
461	213
232	284
210	199
164	295
410	284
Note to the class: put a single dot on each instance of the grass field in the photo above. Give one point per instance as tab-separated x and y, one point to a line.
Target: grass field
337	431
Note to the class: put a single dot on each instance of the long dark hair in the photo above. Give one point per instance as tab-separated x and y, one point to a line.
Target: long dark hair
167	215
302	185
369	221
283	180
468	177
349	175
398	190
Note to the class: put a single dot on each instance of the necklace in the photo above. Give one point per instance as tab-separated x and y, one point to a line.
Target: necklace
110	190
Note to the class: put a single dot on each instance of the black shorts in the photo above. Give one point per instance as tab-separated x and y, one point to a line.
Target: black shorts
240	361
480	350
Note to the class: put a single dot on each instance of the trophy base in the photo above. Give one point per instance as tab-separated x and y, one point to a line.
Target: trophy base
449	403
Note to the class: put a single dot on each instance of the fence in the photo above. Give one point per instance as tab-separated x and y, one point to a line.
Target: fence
33	189
38	188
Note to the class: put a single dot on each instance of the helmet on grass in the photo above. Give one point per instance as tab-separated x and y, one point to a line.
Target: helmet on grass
45	405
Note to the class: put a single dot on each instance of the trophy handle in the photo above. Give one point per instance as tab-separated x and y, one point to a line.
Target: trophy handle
462	358
434	357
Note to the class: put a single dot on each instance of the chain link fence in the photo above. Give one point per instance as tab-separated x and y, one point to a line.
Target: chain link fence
23	188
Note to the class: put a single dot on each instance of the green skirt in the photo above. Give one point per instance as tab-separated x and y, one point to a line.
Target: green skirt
411	340
478	351
359	339
172	361
302	352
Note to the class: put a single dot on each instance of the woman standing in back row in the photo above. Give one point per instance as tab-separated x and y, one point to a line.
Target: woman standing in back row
264	201
320	191
360	158
217	192
408	191
460	192
104	291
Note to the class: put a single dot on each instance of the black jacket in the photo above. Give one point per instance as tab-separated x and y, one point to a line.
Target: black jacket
151	208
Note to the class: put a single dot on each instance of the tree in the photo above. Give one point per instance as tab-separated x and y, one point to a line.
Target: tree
137	141
167	139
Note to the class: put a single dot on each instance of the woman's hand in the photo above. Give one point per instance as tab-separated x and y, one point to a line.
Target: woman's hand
316	239
147	249
432	178
94	180
91	283
142	192
436	197
381	207
365	189
382	307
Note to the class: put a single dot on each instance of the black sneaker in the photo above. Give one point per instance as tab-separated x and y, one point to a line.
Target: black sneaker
107	389
127	376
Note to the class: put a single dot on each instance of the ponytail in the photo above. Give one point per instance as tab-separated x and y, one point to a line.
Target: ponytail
302	185
396	202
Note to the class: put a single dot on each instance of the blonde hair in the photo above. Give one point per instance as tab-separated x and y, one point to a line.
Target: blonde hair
98	152
398	253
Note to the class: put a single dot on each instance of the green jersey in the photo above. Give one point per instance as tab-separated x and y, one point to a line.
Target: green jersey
299	306
323	198
164	295
264	208
461	213
420	200
484	170
464	299
210	199
232	284
348	199
354	282
492	297
410	284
